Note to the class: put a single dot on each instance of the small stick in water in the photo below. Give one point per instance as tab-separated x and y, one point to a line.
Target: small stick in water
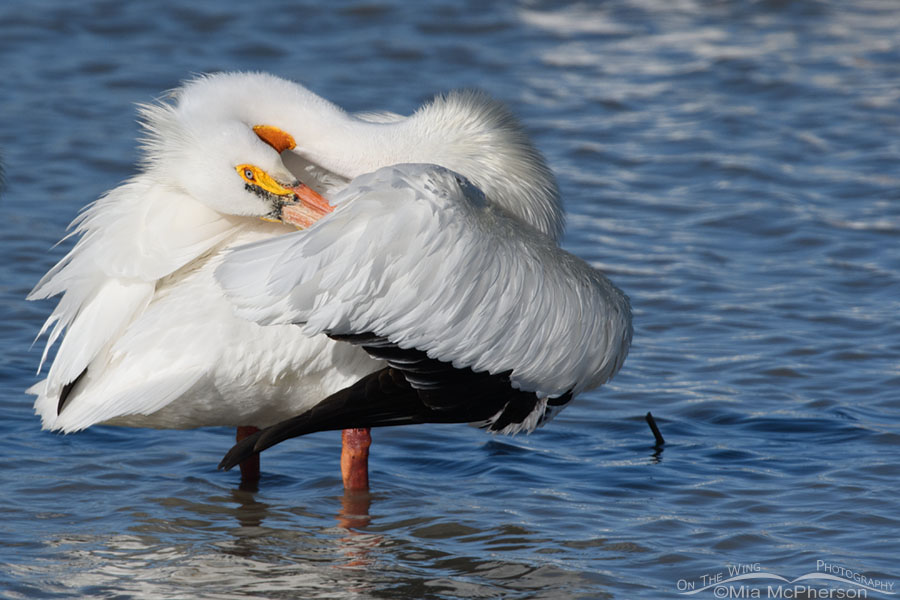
652	423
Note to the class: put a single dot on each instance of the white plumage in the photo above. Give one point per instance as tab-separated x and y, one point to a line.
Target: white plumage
149	338
160	346
416	255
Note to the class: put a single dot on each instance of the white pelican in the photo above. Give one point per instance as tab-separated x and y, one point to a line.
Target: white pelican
479	317
149	339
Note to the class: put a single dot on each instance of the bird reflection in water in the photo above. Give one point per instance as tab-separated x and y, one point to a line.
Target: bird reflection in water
357	546
352	516
354	511
250	512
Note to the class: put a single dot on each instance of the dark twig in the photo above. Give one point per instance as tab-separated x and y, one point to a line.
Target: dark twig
652	423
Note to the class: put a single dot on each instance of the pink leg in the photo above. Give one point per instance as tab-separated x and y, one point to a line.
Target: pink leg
355	458
250	467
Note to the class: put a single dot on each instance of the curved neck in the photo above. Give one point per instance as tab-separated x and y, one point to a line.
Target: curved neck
466	132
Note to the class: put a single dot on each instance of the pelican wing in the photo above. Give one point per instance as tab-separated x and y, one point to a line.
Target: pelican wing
413	389
414	255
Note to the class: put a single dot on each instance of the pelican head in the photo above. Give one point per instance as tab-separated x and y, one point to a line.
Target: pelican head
221	162
325	147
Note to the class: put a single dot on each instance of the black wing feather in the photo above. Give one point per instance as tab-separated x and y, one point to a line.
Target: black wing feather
67	390
412	389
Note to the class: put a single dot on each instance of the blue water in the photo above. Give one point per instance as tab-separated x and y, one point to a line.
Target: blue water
733	166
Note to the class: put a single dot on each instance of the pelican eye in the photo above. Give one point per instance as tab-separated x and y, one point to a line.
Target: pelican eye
248	174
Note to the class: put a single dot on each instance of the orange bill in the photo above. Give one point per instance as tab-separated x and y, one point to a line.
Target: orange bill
310	207
275	137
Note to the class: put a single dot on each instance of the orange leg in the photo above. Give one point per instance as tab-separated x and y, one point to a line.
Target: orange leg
250	467
355	458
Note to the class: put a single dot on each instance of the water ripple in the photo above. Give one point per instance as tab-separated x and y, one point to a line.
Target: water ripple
732	165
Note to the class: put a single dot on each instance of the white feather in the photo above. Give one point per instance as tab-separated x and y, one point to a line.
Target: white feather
415	254
139	307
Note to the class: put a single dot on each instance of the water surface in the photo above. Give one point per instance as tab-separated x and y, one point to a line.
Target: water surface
733	166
